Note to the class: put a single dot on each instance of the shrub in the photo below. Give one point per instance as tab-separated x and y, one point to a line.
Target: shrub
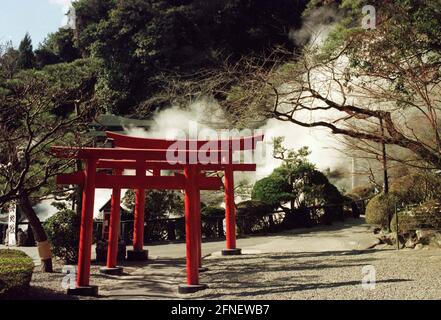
272	190
253	208
361	192
380	208
210	211
63	232
426	215
250	215
15	272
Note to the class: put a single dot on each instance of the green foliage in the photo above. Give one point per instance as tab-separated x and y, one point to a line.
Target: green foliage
296	181
253	208
44	57
273	190
159	203
63	232
144	44
210	211
8	62
15	272
38	109
380	209
26	59
251	215
62	45
425	215
58	47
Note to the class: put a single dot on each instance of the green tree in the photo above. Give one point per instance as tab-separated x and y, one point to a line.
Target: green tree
8	61
273	190
147	46
26	58
296	181
40	108
56	48
158	204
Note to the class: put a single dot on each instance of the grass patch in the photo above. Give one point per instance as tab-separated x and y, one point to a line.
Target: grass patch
15	272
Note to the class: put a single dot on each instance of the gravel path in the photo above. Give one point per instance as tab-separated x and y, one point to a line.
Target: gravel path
404	274
319	263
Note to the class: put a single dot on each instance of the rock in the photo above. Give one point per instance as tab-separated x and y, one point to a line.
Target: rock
424	235
436	240
391	239
419	246
386	240
377	230
410	243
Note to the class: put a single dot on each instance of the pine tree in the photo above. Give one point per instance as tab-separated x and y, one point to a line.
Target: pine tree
25	53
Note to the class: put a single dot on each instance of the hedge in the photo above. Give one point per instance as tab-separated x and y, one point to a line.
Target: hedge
380	208
15	273
63	232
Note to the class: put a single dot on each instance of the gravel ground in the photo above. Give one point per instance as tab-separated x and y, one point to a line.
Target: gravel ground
156	279
404	274
317	264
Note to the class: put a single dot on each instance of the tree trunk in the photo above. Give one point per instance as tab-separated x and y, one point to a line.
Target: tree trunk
44	249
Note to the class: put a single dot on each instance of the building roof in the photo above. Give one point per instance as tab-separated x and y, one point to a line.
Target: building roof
110	122
107	206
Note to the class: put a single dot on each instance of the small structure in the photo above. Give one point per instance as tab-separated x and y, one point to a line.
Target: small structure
190	160
105	212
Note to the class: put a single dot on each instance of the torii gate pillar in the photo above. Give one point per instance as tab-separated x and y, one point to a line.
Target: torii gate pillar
86	234
230	215
192	233
112	245
138	253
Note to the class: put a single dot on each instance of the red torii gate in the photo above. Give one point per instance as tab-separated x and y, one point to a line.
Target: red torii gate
153	154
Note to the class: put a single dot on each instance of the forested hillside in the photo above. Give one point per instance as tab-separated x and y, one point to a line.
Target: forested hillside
141	47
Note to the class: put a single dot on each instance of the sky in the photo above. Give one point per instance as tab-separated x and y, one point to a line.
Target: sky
38	17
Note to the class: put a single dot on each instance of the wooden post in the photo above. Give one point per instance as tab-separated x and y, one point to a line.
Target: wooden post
191	233
199	224
115	220
86	233
138	253
230	214
138	230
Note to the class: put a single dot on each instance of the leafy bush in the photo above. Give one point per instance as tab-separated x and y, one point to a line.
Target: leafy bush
15	272
380	208
253	208
361	192
250	215
210	211
318	190
63	232
272	190
426	215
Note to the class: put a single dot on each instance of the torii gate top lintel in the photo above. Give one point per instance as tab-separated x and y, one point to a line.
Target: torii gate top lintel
237	144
